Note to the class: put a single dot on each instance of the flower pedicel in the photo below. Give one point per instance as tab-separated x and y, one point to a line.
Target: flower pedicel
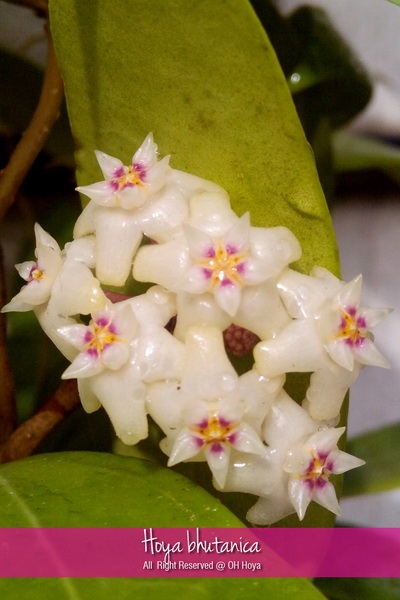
216	277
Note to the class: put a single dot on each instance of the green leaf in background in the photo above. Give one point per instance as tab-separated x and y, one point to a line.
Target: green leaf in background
203	77
381	450
80	489
354	152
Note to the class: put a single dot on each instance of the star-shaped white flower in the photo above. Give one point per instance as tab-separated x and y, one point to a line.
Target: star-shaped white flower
210	432
122	349
205	418
329	336
222	261
297	469
39	274
146	198
128	186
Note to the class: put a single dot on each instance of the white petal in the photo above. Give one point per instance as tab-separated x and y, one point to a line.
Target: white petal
74	334
247	440
108	164
300	496
89	400
184	448
326	497
101	193
325	440
373	316
147	153
196	281
341	352
45	239
199	243
228	297
218	461
350	294
156	175
84	365
238	236
24	269
115	355
345	462
368	354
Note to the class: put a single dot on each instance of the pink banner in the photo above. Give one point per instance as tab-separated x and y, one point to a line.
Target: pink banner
151	552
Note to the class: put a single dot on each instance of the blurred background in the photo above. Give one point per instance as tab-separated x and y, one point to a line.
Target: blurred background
342	63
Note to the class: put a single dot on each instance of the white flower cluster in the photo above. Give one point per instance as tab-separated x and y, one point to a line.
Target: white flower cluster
212	272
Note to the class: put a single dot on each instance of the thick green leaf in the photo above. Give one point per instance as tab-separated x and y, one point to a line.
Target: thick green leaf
154	589
380	449
80	489
395	2
203	77
365	589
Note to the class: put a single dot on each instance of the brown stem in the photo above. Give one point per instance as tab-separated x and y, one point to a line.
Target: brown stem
24	441
39	6
8	412
44	117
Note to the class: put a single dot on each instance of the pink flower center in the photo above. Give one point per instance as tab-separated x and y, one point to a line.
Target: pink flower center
99	335
35	274
215	430
352	327
223	265
318	471
126	177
